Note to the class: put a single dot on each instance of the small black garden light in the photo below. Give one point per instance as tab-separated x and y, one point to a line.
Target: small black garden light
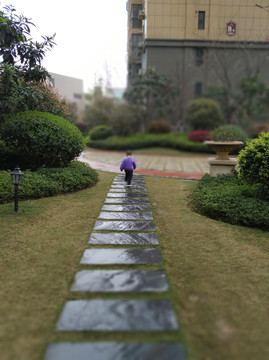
16	176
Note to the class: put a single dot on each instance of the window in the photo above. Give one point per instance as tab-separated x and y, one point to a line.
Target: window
77	96
201	20
198	89
199	56
135	41
135	23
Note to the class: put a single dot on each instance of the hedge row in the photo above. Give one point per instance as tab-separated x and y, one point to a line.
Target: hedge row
48	181
173	140
228	199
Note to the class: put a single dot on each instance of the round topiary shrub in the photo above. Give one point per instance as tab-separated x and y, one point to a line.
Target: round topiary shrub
203	114
198	135
253	161
100	132
228	133
159	127
43	139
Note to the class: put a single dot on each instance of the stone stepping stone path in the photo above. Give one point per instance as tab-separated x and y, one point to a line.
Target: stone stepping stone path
125	220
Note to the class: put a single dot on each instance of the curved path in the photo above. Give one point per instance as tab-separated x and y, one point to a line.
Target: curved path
181	166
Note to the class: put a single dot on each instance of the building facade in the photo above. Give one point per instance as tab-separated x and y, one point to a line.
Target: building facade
71	89
198	43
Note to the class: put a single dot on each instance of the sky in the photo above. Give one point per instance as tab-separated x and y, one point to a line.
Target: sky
91	37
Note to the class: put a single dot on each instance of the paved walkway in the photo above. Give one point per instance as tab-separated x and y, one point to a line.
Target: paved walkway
125	220
181	166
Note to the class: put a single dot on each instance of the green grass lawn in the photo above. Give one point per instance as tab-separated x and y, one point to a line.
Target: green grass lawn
218	274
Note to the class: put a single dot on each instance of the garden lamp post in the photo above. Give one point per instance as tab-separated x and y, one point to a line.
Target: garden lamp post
16	176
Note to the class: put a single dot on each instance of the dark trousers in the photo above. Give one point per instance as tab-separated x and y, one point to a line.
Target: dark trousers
128	176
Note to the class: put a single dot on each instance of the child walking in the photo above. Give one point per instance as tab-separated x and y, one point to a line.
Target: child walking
128	165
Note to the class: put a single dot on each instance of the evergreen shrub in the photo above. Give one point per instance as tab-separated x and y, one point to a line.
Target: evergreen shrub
203	113
42	138
228	133
100	132
48	181
228	199
253	161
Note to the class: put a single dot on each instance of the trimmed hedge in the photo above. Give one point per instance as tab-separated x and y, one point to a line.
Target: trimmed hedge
228	199
47	182
173	140
43	139
253	162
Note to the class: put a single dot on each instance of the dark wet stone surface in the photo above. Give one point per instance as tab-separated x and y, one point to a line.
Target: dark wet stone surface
126	200
126	195
109	215
124	225
121	256
129	190
123	186
119	281
123	239
117	315
126	208
114	351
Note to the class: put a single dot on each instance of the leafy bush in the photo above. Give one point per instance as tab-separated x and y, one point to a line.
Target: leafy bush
124	120
203	114
227	199
100	132
228	133
253	161
48	182
173	140
159	127
198	135
17	95
43	139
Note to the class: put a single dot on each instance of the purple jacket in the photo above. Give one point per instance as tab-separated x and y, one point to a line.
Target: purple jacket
128	163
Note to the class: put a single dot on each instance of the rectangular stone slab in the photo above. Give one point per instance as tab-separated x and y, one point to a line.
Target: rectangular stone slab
121	256
119	281
114	351
109	215
124	225
126	195
117	315
130	189
126	208
123	239
123	186
126	201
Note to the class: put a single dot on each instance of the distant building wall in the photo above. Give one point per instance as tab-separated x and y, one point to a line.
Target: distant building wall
71	89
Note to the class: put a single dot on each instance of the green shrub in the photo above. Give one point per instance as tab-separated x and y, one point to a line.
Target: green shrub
159	127
203	114
227	199
172	140
43	139
253	161
228	133
100	132
48	182
125	120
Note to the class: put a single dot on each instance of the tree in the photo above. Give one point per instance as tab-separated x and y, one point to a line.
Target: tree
18	49
154	96
250	100
99	111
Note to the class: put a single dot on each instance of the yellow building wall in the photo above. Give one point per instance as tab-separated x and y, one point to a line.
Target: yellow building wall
178	19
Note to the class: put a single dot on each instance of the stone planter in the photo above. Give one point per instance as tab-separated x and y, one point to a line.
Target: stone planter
222	163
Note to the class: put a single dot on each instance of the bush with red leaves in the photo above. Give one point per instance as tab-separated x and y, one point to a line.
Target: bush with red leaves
199	135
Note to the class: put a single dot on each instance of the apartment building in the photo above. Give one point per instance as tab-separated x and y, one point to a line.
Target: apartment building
198	43
71	89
